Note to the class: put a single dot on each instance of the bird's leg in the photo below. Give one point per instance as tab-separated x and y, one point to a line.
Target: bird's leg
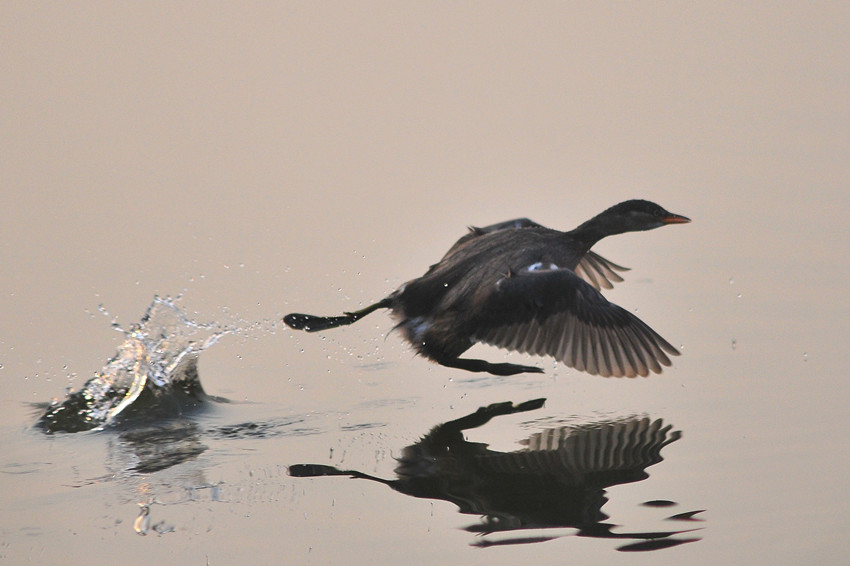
312	323
480	365
484	414
315	470
357	315
449	433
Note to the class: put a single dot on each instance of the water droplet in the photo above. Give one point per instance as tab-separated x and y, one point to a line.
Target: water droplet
143	521
734	343
805	357
739	295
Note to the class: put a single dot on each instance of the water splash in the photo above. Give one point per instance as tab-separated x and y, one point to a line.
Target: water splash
158	359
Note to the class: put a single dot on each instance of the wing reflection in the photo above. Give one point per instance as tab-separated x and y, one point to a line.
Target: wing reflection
557	481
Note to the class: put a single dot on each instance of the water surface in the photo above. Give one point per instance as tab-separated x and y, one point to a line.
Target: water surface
263	160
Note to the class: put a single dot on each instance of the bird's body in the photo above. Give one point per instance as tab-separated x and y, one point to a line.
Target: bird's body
526	288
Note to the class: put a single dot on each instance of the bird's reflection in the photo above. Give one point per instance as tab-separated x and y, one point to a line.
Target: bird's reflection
557	481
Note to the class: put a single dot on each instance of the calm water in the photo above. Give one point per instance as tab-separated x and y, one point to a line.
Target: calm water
275	159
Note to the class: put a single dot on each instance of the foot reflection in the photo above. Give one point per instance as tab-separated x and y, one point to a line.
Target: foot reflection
557	481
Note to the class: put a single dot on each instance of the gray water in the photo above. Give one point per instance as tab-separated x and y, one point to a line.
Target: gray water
267	159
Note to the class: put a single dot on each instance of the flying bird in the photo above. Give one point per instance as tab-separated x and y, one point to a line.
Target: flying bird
526	288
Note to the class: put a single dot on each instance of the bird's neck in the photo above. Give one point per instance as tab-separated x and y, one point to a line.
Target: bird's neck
595	229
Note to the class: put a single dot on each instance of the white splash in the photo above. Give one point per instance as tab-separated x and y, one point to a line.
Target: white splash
159	351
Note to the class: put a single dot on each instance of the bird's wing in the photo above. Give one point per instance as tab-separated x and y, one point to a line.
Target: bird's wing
475	231
609	452
506	225
598	271
553	312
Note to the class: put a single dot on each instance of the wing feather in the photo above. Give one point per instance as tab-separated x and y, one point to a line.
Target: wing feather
554	312
598	271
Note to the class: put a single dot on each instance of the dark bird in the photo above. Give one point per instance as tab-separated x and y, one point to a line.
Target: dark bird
527	288
560	479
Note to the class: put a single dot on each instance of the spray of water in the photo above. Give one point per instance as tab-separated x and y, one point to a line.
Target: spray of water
159	355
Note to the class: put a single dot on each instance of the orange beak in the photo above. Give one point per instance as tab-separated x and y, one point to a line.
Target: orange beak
676	219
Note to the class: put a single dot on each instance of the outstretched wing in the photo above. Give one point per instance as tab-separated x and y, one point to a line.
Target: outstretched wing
553	312
598	271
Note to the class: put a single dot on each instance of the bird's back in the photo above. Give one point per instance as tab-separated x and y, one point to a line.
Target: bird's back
471	268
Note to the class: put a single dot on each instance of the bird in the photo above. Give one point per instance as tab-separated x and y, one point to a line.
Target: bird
526	288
